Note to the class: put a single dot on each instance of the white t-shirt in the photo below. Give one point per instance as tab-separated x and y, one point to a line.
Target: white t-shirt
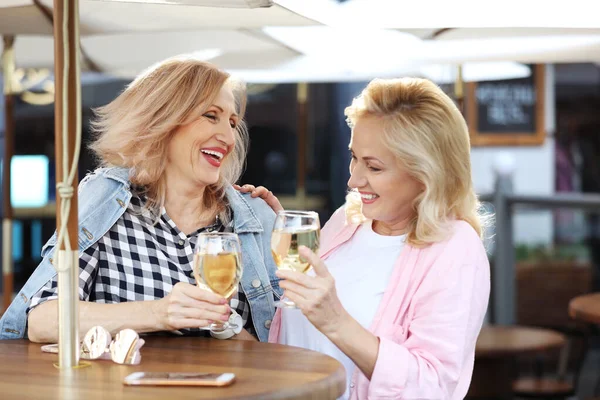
361	268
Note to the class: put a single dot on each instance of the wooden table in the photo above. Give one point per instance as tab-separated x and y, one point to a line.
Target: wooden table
495	350
586	308
263	371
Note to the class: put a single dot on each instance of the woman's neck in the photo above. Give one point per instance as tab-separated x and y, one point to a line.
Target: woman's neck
396	228
184	203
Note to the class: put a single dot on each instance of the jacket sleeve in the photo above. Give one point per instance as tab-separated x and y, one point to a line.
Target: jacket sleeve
449	308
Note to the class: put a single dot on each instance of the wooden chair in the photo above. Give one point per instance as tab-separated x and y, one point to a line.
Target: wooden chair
560	385
543	295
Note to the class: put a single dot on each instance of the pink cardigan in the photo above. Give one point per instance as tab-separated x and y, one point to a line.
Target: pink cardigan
428	319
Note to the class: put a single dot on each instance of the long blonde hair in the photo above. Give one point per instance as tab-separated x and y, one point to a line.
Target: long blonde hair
134	130
429	136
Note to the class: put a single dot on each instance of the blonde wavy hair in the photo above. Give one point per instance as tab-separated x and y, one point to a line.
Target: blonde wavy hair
429	136
134	130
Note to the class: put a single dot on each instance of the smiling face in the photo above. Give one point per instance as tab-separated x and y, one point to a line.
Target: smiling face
387	189
198	149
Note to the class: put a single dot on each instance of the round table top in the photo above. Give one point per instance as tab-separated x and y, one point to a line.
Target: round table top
586	308
502	341
263	371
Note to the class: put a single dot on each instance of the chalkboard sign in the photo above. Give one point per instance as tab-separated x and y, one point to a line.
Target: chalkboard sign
507	112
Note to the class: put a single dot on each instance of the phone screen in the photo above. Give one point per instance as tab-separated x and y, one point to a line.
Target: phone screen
179	378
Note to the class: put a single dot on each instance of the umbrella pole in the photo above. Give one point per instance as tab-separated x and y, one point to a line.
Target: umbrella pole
459	92
8	61
302	99
68	140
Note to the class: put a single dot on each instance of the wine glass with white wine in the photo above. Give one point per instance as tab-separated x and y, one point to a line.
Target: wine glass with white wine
218	267
291	230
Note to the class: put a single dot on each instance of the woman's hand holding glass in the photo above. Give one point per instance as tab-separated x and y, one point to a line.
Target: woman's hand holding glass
291	230
189	306
218	268
315	295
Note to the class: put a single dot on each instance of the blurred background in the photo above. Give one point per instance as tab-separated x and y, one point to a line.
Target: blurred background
526	75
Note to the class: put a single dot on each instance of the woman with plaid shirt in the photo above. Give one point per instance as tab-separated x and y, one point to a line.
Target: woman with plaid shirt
171	146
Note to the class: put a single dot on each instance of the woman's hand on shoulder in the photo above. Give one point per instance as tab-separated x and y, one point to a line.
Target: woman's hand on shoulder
263	193
188	306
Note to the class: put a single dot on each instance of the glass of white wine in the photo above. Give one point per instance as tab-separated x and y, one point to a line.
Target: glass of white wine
218	267
291	230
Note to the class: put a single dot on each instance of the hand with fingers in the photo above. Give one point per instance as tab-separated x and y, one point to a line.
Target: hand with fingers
189	306
263	193
315	296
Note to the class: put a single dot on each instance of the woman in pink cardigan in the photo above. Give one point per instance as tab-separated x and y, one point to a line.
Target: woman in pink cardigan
400	288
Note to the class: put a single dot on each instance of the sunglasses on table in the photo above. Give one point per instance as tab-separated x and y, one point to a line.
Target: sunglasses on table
98	344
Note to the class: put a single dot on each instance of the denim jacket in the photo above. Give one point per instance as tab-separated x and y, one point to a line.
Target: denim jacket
104	197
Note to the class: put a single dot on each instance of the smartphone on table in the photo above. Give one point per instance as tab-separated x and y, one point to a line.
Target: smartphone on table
179	379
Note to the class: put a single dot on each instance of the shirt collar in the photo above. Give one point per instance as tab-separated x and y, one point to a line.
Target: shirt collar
244	216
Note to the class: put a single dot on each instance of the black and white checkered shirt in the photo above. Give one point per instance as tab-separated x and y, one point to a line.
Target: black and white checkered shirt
137	260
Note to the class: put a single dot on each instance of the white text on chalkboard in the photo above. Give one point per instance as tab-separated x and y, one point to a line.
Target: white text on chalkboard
505	102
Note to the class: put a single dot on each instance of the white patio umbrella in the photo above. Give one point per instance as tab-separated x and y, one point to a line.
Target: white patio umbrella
475	72
296	49
97	17
512	30
137	50
123	38
259	59
435	14
390	47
